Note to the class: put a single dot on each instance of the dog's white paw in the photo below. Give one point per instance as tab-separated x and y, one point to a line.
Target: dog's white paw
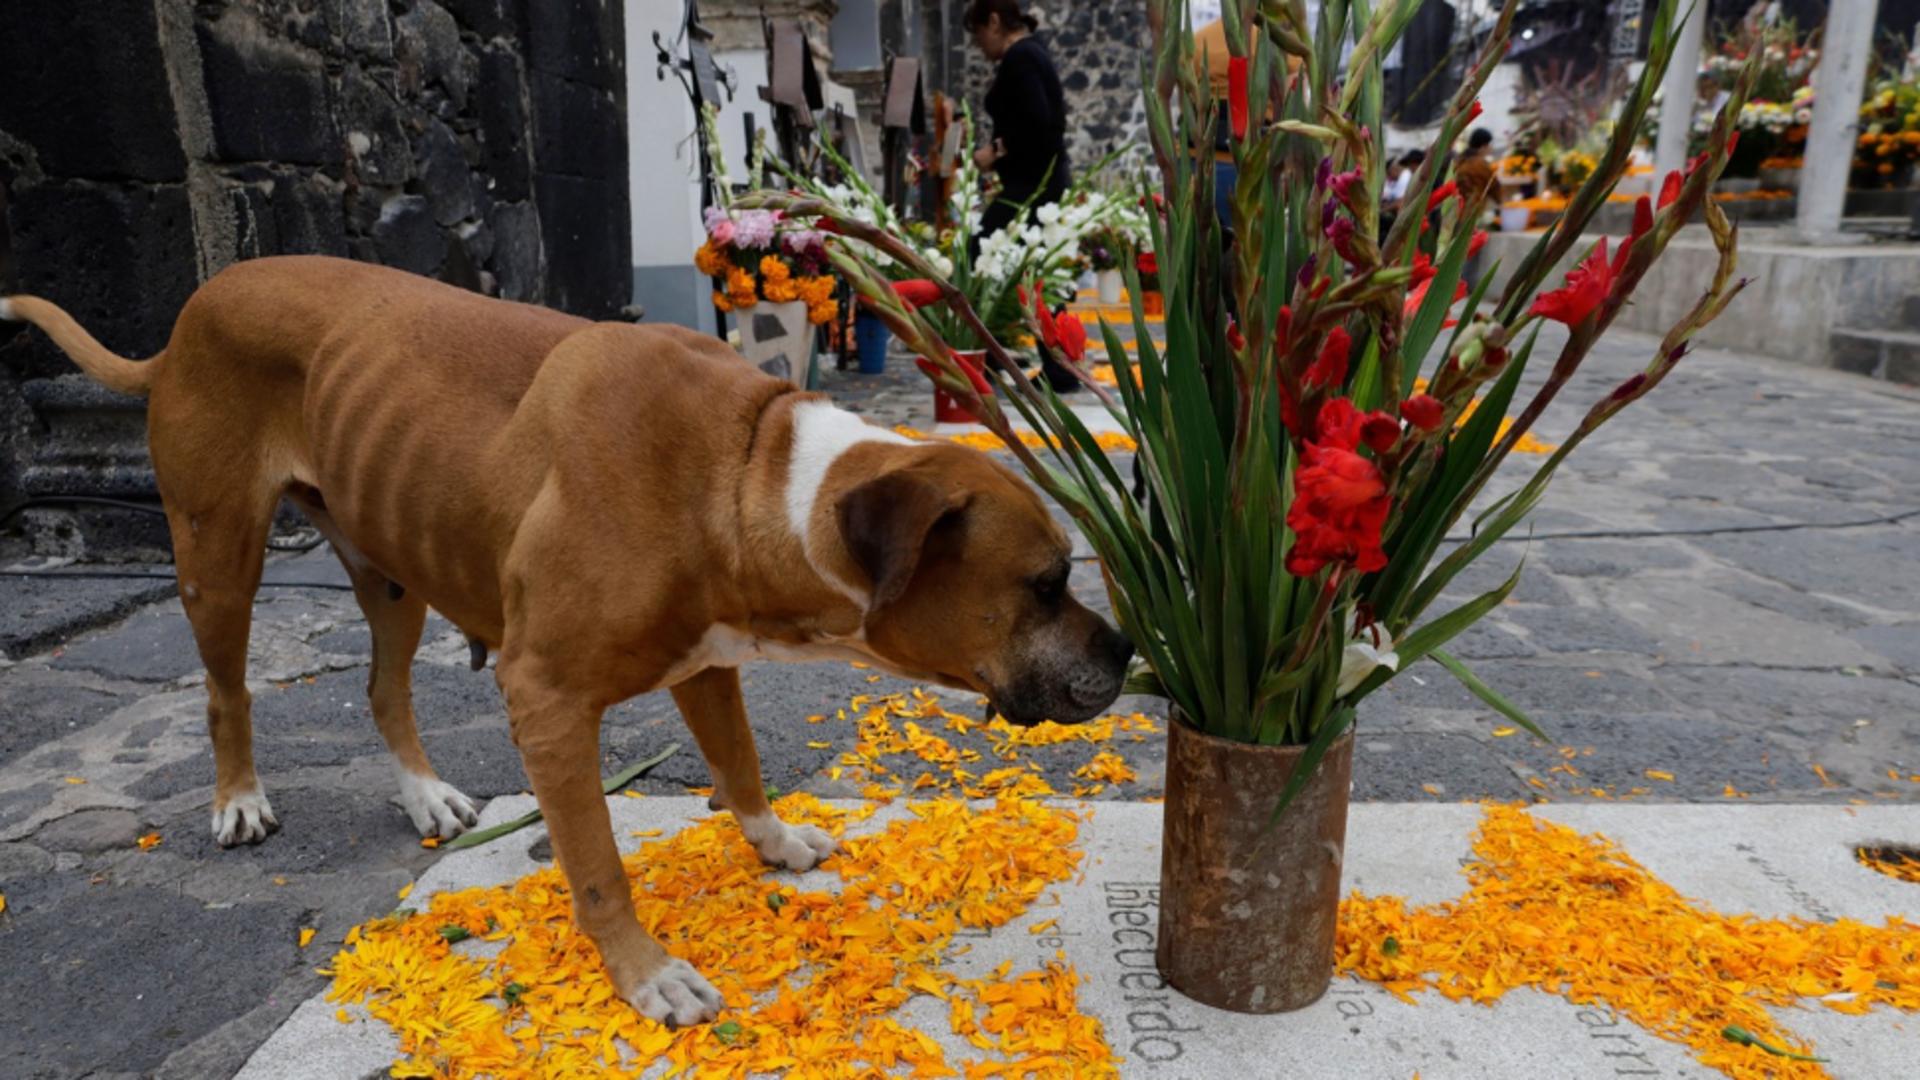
676	995
795	847
436	807
246	818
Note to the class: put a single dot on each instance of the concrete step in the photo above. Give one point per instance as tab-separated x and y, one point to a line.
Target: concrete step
1893	355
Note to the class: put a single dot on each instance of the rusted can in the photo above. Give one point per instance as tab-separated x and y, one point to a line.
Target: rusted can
1248	912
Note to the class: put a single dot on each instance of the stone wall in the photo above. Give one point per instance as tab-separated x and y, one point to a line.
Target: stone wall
147	144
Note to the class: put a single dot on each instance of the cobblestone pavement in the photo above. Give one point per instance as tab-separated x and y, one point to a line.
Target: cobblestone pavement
1720	588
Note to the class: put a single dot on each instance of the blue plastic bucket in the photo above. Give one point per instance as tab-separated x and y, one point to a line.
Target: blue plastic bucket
870	336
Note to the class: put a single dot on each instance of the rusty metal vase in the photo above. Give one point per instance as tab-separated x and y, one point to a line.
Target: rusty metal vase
1248	912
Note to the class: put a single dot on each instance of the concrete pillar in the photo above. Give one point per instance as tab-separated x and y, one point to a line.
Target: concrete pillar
1837	86
1677	91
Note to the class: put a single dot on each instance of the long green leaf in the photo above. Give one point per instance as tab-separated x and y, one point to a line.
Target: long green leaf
1487	693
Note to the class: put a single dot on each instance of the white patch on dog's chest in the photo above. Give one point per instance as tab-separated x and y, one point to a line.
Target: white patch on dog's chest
727	647
821	433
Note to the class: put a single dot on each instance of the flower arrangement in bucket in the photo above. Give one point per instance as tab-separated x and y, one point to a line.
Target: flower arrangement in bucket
752	258
1298	520
996	276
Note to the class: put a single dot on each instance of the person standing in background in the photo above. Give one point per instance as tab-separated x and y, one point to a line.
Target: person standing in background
1028	109
1474	172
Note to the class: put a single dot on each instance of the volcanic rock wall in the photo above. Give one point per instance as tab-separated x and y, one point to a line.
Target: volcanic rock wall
147	144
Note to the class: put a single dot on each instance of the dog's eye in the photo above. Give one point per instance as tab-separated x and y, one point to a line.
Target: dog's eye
1051	586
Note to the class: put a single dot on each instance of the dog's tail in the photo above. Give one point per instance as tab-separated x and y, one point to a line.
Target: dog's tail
109	369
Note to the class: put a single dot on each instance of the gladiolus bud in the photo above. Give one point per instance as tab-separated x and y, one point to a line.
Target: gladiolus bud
1642	217
1473	112
1629	388
1423	411
1669	188
1237	107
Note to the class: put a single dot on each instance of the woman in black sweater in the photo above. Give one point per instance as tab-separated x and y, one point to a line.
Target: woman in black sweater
1028	110
1029	113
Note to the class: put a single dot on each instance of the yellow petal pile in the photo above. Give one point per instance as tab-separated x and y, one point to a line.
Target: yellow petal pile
1573	915
812	979
960	770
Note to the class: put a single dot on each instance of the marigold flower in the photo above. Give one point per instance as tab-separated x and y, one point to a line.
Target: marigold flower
710	261
1586	287
822	313
721	302
774	268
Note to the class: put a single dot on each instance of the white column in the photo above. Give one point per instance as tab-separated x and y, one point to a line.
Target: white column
1677	90
1837	86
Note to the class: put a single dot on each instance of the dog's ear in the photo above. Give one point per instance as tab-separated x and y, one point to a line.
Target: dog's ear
885	523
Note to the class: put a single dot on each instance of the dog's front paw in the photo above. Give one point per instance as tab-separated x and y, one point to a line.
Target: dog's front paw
795	847
436	807
676	995
245	818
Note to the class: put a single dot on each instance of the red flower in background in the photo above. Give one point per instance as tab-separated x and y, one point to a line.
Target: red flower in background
1586	287
1422	271
1067	335
1237	95
1147	263
1442	194
918	292
1340	499
1418	296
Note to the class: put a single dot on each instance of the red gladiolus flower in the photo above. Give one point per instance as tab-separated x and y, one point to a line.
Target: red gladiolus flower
1283	328
1476	242
1642	217
1066	335
1473	112
1237	95
1442	194
1423	271
1380	432
918	292
1235	339
1423	411
1670	188
1340	499
1330	367
1147	263
1586	287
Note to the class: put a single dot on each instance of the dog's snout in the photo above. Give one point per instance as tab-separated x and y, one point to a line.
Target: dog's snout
1114	645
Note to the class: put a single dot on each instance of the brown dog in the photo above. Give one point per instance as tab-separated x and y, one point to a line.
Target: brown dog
614	508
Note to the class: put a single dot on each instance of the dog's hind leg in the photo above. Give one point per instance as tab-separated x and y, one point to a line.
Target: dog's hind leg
218	547
395	617
711	705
